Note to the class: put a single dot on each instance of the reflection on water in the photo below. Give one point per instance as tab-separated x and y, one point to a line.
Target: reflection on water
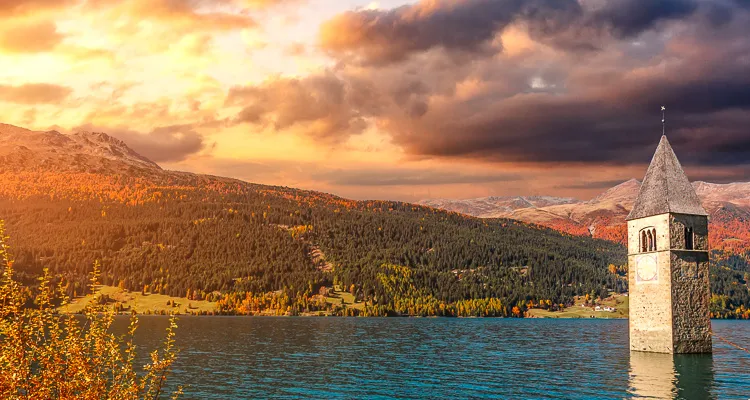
437	358
652	375
664	376
695	376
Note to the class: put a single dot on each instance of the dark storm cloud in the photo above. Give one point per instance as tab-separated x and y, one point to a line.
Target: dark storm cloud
381	37
628	18
378	37
567	106
592	128
320	106
532	129
735	173
569	26
163	144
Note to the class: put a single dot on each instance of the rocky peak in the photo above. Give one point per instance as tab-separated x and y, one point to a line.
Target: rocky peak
81	151
624	193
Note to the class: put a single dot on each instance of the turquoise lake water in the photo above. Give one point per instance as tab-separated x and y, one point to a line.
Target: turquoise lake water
440	358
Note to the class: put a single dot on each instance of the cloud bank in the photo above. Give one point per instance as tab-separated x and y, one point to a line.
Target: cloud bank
449	80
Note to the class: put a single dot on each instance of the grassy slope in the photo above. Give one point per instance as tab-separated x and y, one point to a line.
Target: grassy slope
154	303
335	298
621	303
157	303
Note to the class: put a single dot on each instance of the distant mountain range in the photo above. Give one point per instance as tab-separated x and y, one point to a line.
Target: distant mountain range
604	216
70	200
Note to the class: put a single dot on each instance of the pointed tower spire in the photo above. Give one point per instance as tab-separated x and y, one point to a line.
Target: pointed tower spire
663	121
666	188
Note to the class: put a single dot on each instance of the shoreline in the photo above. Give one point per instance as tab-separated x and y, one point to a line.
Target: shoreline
375	317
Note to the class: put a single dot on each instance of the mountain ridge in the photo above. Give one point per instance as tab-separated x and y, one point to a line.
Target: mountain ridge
604	215
23	149
71	200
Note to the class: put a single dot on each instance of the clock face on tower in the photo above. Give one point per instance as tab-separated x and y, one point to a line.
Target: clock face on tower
646	268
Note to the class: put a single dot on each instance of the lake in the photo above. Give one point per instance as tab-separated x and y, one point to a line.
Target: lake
440	358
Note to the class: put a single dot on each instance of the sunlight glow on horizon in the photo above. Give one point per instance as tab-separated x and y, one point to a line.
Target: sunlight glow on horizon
312	89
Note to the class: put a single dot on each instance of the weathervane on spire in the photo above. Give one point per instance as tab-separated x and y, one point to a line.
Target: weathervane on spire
663	120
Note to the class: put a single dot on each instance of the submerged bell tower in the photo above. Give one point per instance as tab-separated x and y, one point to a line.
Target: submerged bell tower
668	262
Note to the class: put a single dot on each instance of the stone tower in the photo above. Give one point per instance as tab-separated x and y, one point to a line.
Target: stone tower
668	262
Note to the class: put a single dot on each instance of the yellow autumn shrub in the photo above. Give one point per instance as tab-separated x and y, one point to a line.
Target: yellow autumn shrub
45	354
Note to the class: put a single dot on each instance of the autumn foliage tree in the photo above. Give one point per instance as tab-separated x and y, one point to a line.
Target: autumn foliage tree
48	355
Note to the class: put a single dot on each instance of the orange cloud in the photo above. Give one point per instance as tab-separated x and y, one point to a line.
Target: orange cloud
264	3
79	53
177	13
27	7
34	93
29	37
296	49
155	27
180	12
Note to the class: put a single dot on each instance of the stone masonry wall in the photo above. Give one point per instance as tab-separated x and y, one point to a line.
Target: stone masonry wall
690	297
650	302
678	223
669	312
660	222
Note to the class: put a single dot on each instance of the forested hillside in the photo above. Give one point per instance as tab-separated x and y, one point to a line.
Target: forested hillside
207	237
260	249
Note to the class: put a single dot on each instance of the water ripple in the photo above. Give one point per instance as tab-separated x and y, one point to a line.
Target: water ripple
437	358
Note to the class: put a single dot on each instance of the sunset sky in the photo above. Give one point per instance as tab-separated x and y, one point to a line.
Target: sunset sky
392	99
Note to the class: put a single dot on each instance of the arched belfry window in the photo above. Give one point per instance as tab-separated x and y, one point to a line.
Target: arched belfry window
689	239
647	239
